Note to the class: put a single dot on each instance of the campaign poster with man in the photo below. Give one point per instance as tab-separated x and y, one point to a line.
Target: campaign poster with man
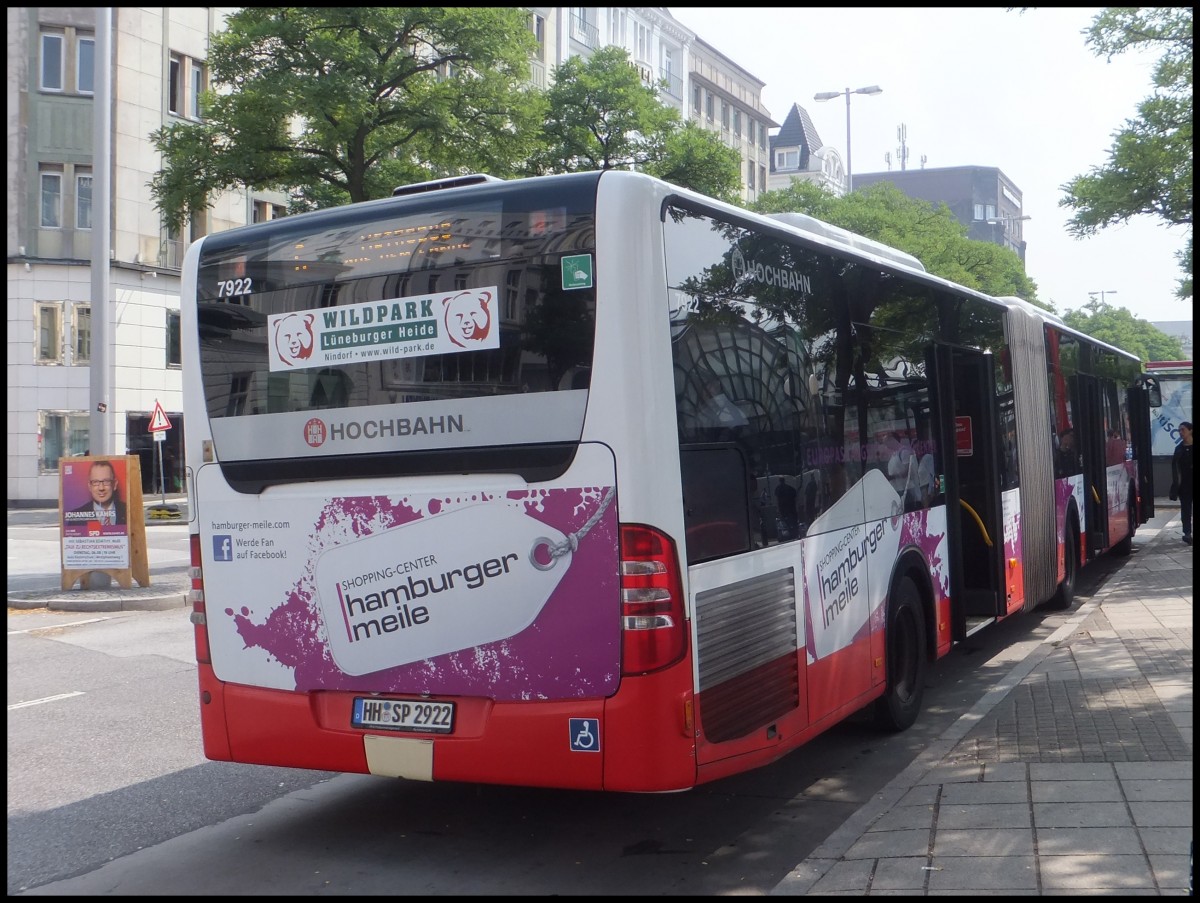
95	516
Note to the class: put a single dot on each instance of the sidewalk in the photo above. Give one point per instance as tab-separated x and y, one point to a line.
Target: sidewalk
1072	776
168	585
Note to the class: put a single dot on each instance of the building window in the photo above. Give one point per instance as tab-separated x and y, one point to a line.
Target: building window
85	66
616	28
197	89
725	115
978	212
83	199
47	325
537	24
61	434
696	99
709	104
643	43
990	211
51	189
53	60
750	175
737	123
787	159
81	328
278	211
762	135
175	86
762	177
174	344
259	212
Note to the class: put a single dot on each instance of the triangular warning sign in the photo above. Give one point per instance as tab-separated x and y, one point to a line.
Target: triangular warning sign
159	421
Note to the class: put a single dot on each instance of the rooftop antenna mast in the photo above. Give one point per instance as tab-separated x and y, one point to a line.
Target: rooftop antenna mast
902	150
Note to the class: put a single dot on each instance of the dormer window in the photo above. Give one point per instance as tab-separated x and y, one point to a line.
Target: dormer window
787	159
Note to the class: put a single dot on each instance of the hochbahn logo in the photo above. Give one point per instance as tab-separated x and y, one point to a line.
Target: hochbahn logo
316	431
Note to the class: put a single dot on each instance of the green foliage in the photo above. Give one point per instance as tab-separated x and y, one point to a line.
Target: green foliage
695	158
931	234
601	116
1117	326
1149	168
337	105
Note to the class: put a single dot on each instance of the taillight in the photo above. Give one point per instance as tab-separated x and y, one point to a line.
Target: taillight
653	631
195	598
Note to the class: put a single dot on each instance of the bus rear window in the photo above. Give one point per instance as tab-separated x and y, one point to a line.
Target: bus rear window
418	310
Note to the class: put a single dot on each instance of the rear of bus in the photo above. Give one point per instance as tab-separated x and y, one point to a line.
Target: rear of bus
407	557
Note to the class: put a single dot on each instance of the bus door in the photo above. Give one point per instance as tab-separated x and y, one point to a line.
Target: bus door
1089	428
965	401
1141	439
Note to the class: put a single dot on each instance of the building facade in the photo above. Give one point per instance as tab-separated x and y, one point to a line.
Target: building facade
798	153
155	71
981	197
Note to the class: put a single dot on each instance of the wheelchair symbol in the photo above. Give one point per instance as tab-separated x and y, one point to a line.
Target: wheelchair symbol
585	734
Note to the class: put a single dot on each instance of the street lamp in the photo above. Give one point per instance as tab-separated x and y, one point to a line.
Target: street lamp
830	95
1093	295
1007	218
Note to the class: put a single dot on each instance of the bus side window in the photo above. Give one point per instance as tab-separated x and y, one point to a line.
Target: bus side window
716	502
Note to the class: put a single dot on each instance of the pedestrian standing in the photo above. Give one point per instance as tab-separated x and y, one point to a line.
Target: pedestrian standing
1181	478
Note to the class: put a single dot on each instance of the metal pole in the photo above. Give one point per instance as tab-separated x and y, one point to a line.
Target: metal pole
99	374
849	167
162	474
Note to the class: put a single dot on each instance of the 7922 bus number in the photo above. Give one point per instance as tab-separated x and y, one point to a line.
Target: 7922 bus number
422	716
231	288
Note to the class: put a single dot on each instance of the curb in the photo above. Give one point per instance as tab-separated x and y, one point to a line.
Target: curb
170	591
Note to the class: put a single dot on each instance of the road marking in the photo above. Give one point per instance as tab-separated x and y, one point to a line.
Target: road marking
21	705
56	626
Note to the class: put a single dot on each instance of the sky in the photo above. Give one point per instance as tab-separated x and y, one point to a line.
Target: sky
973	87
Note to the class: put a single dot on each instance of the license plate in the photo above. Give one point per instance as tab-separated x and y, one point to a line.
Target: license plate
417	715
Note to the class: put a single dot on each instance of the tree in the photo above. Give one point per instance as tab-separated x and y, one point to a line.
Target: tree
1119	327
695	158
1149	168
337	105
601	117
931	234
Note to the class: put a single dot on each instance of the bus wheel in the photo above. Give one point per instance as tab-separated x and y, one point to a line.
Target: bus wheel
900	704
1065	594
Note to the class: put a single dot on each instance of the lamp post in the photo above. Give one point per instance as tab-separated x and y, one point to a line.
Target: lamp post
830	95
1102	294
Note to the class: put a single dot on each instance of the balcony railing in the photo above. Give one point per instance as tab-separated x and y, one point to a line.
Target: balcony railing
170	253
674	83
584	32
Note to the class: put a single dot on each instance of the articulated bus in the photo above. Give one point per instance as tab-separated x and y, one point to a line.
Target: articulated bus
588	481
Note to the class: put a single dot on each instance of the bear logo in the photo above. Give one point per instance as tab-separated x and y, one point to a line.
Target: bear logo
467	318
294	338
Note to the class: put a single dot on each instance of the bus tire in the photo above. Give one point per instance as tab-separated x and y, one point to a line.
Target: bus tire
897	709
1065	594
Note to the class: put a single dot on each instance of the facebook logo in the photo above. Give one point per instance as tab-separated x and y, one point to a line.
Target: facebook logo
222	547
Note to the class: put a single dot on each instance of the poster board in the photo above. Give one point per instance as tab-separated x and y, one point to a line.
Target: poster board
102	523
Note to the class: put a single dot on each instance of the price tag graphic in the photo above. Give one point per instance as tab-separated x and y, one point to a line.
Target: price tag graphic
438	585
